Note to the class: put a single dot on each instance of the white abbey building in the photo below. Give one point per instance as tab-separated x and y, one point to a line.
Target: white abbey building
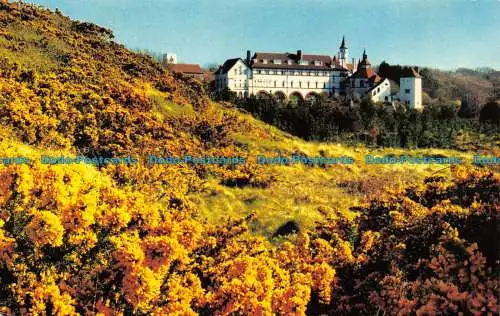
297	75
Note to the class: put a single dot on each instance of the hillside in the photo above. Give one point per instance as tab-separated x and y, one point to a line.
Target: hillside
196	239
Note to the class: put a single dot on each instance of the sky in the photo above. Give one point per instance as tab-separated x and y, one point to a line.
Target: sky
445	34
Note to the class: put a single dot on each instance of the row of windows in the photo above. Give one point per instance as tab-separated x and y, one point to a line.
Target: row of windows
291	72
282	84
289	62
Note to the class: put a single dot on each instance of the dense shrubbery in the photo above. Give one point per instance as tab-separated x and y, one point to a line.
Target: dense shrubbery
372	124
97	102
127	240
97	248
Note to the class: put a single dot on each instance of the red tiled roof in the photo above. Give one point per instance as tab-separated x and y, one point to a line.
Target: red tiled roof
186	68
364	72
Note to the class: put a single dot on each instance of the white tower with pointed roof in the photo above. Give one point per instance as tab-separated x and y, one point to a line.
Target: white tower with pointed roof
343	53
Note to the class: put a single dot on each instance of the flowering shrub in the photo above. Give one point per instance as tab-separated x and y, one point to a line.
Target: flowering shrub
127	239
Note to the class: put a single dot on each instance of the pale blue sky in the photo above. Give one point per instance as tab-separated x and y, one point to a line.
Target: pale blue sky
440	33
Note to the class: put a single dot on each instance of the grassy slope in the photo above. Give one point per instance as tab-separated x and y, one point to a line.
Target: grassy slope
305	194
55	48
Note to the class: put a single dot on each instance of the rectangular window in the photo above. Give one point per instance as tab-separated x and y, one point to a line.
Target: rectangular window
407	91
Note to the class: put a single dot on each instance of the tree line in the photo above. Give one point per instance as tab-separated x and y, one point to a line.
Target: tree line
437	125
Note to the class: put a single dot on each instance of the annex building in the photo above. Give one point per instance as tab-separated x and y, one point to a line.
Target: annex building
288	76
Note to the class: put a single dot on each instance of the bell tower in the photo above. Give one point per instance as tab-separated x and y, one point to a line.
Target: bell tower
343	53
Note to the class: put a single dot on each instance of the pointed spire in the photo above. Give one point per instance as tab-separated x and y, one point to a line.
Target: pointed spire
343	45
364	61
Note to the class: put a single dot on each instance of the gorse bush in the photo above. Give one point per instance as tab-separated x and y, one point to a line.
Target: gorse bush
129	239
72	242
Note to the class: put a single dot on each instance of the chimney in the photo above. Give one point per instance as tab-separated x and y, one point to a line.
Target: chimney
248	57
299	54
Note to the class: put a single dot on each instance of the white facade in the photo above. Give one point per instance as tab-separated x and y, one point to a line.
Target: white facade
235	79
381	93
301	83
287	75
410	91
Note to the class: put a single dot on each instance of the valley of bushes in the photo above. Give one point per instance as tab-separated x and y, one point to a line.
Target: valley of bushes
206	239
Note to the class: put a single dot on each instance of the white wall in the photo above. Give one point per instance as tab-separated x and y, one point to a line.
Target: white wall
410	91
381	91
290	81
236	79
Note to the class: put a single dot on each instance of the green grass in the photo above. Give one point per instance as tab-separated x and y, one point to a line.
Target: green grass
32	50
308	194
162	107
